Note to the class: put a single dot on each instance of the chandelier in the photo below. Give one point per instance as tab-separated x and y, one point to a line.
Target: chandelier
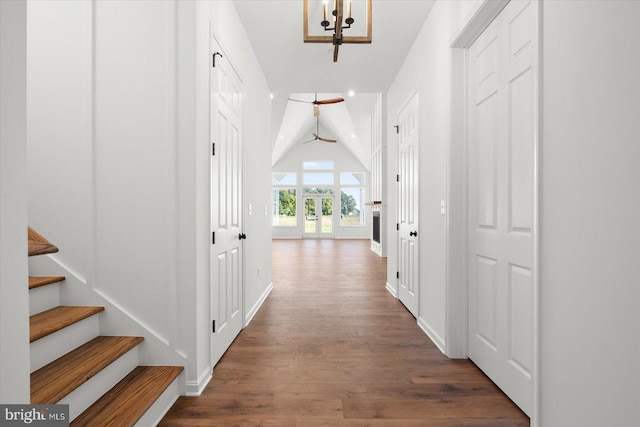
336	21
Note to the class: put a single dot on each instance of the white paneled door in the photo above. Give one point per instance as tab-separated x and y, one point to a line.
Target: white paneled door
501	200
226	205
318	217
408	261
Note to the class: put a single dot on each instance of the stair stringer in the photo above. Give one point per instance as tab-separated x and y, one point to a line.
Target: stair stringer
114	320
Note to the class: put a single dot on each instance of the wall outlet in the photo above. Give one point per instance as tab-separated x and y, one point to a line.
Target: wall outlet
250	208
441	207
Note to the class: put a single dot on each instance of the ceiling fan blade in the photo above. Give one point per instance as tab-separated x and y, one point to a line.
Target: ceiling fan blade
311	140
316	111
329	101
327	140
299	100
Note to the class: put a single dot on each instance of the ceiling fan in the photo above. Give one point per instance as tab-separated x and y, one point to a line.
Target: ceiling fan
316	103
319	138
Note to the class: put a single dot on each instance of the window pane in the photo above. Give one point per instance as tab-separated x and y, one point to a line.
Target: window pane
284	207
352	178
351	203
323	165
317	190
318	178
284	178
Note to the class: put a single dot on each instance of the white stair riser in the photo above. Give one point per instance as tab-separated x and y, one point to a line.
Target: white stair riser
161	406
85	395
44	298
47	349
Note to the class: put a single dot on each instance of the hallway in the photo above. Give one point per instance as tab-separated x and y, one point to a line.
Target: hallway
330	346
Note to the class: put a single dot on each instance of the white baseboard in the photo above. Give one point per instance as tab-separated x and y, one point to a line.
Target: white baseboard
432	334
257	305
195	388
392	290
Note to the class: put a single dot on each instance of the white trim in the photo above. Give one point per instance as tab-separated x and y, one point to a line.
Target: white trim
477	21
432	334
456	219
257	305
195	388
171	168
393	291
537	174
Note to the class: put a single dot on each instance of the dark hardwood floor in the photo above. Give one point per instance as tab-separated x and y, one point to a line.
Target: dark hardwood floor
331	347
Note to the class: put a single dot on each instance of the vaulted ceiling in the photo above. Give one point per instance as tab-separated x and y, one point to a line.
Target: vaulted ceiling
299	70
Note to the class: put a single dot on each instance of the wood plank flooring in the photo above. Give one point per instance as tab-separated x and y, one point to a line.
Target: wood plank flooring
331	347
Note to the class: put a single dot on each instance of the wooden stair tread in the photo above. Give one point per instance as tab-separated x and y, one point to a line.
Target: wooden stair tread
128	400
50	321
54	381
38	245
37	281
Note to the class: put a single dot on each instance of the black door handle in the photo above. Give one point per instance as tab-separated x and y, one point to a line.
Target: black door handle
413	233
242	236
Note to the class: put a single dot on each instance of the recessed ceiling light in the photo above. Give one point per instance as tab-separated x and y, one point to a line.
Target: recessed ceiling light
271	96
351	93
353	136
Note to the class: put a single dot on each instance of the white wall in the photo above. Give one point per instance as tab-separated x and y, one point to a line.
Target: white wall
590	326
14	302
344	161
426	70
60	146
119	157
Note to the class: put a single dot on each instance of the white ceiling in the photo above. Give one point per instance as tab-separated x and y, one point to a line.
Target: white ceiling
297	69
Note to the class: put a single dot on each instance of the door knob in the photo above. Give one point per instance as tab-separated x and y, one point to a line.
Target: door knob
413	233
242	236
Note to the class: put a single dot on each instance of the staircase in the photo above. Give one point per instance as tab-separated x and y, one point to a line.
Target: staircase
97	376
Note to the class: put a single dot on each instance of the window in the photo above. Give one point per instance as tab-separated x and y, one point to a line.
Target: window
318	190
352	198
317	178
284	199
352	178
284	207
284	178
351	203
326	165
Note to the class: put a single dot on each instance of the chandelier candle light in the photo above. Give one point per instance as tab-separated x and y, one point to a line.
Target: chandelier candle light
340	23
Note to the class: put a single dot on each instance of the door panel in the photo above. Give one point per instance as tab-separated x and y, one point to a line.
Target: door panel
501	161
326	217
408	249
226	206
310	217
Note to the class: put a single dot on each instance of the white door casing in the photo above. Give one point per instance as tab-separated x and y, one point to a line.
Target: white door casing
408	253
501	143
226	204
